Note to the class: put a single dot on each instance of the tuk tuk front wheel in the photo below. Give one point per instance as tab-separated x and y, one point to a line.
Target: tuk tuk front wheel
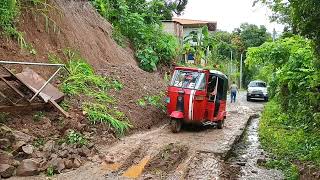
220	124
176	125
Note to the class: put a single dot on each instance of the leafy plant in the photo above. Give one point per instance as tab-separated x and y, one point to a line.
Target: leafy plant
65	105
141	102
38	116
98	104
50	171
118	37
74	137
156	100
140	23
290	122
98	113
38	142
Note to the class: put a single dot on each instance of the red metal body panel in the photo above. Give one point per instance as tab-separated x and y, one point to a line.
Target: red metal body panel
197	109
177	115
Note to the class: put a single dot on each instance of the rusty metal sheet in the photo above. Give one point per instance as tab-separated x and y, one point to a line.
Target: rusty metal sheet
34	81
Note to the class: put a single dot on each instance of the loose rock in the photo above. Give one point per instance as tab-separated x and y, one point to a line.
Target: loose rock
49	146
4	143
261	161
28	167
76	163
5	157
68	164
28	149
6	170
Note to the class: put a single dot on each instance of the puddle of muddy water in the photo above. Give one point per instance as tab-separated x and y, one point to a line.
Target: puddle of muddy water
246	157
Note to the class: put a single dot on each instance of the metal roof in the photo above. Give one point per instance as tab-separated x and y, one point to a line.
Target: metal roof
218	73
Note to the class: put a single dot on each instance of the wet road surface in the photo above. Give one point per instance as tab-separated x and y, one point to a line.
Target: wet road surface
159	154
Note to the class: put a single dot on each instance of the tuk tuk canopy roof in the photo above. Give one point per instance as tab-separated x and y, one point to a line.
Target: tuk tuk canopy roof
218	73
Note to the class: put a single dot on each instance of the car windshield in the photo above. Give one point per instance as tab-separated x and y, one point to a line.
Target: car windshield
188	79
257	84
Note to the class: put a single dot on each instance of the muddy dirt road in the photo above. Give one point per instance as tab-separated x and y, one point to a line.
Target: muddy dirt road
160	154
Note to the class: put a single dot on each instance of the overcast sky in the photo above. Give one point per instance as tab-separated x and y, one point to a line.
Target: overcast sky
229	14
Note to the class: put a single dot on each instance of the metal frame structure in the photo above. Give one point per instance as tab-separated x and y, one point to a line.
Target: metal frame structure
36	92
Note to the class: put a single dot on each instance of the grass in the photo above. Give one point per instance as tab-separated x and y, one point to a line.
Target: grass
287	143
99	113
92	89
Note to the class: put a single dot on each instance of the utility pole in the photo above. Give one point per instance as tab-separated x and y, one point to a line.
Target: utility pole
274	34
231	69
241	59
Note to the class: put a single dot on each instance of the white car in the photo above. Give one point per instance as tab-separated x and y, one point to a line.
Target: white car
257	89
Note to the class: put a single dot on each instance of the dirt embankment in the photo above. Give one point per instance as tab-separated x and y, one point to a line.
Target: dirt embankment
76	25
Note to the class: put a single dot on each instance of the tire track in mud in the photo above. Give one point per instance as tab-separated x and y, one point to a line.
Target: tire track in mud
146	155
166	161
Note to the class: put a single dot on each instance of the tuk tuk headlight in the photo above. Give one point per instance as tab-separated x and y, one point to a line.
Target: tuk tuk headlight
168	100
180	98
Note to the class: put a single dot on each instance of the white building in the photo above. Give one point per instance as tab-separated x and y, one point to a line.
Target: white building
181	28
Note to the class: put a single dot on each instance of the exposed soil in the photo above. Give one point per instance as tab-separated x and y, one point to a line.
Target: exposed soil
308	171
167	160
77	26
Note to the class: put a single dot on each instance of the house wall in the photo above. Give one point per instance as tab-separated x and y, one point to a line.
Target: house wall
175	29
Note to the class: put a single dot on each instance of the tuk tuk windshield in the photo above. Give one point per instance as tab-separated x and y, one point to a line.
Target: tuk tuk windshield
188	79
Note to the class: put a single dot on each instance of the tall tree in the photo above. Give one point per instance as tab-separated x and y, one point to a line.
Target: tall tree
302	15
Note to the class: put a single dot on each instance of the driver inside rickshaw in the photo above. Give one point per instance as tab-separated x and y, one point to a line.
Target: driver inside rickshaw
214	95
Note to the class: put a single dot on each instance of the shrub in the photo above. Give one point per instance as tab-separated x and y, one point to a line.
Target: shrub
142	26
74	137
290	122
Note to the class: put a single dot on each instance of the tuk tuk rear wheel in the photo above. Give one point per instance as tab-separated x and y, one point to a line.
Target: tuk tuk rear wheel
220	124
176	125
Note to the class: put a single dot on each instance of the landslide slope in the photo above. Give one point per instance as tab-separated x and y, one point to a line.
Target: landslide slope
76	25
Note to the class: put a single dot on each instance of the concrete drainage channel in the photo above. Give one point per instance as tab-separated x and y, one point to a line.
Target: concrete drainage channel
245	159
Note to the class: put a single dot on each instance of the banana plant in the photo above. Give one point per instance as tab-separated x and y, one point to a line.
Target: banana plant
197	42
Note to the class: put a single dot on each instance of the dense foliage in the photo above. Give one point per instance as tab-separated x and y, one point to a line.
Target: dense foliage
140	21
291	123
301	16
221	44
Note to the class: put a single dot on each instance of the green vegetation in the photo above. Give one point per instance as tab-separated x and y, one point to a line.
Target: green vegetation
77	138
93	89
50	171
299	16
10	11
291	121
100	113
139	21
38	116
38	142
215	48
155	100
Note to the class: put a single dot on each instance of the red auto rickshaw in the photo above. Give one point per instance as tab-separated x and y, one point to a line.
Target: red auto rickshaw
197	96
